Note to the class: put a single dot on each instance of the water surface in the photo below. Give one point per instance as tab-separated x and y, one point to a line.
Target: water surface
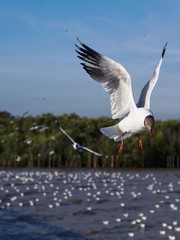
89	204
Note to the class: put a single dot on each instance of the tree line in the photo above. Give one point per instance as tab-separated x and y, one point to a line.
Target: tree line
29	141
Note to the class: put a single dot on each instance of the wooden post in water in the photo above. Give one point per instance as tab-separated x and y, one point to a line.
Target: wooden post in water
104	161
88	163
170	161
177	162
30	160
173	161
112	161
49	161
116	161
59	161
142	162
66	163
94	162
79	161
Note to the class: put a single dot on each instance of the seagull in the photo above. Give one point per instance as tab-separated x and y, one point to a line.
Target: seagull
76	145
114	78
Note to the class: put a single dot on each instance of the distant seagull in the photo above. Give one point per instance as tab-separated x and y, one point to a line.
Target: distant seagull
18	158
76	145
115	80
24	114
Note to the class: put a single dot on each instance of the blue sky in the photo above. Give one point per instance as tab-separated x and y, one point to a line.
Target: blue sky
39	70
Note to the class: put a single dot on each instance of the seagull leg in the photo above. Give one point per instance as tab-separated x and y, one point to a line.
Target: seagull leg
122	144
121	147
140	143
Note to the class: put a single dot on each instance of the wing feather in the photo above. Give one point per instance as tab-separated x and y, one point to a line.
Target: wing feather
65	133
113	77
145	96
91	151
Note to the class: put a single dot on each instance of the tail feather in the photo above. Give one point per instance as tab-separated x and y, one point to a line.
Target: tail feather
113	132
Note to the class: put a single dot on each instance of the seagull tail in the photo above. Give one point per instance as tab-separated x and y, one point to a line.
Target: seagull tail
112	132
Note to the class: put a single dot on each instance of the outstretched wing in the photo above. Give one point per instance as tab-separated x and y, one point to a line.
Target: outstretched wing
76	145
91	151
145	97
113	77
65	133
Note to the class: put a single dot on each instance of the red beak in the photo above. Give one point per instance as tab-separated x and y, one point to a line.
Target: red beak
150	132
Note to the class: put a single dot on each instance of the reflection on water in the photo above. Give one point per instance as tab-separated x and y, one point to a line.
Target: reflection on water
89	204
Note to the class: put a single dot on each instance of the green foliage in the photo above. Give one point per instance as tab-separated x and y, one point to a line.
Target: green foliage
37	142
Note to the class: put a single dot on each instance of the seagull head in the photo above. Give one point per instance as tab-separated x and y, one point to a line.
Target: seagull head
149	123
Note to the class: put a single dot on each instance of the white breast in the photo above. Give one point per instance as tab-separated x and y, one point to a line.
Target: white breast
134	122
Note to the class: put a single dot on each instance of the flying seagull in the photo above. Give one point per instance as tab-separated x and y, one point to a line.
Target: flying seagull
114	78
76	145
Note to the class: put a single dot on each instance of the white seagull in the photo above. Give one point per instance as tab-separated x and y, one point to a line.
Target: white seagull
134	118
76	145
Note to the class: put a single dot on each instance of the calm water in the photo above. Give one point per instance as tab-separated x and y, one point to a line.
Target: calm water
88	205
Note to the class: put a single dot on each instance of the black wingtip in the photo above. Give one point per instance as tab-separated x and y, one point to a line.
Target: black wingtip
78	39
164	50
78	47
79	42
